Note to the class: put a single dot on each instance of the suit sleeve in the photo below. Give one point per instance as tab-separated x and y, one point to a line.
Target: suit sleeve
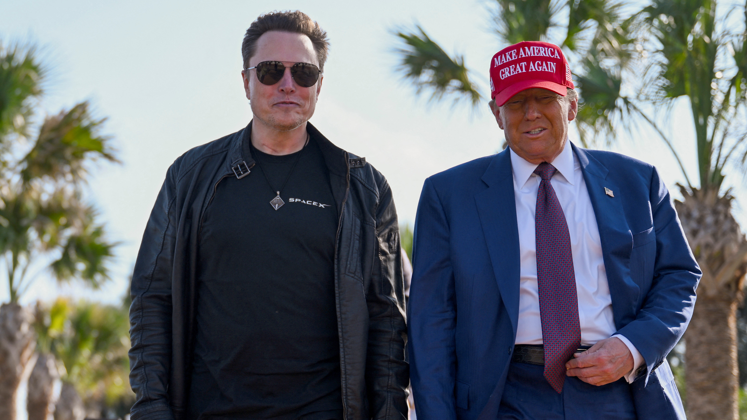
150	312
386	368
432	312
668	304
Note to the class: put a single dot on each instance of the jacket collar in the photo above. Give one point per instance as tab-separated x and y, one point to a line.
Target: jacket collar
240	159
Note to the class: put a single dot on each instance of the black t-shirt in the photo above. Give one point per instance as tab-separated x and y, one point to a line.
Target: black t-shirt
266	342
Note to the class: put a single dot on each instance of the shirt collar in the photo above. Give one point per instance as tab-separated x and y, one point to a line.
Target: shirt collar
523	170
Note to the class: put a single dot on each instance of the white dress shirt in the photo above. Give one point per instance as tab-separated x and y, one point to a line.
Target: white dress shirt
594	300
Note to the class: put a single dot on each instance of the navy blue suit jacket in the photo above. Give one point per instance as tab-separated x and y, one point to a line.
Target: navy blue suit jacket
464	298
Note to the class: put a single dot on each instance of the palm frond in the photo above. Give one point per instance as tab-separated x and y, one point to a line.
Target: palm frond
739	54
429	67
65	144
86	254
615	38
682	31
526	20
686	47
42	213
57	214
600	103
22	78
612	35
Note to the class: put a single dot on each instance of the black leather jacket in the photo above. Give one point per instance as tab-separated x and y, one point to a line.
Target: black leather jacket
368	283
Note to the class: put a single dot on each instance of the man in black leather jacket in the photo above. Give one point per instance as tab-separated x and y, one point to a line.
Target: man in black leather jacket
269	279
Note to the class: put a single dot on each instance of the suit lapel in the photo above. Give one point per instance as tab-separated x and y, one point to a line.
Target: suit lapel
614	233
497	209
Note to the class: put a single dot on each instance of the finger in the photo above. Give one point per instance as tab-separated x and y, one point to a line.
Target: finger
596	380
581	363
597	346
596	370
583	360
603	374
581	375
571	364
592	376
583	372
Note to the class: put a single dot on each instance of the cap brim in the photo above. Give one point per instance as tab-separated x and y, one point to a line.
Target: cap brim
517	87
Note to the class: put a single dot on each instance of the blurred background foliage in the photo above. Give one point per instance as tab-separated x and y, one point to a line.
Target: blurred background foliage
90	342
48	228
406	236
44	162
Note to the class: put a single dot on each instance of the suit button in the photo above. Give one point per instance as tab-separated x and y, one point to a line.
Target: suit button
510	349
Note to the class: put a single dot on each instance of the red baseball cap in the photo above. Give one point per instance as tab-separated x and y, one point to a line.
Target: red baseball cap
526	65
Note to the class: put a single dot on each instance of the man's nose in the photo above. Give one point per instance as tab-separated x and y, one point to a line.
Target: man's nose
287	85
532	110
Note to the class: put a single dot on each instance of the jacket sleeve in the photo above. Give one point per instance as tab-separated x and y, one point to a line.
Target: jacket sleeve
150	312
386	368
432	312
668	304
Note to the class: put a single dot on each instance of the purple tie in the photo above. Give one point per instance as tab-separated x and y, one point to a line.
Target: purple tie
556	281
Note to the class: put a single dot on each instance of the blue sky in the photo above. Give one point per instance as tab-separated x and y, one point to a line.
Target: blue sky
166	74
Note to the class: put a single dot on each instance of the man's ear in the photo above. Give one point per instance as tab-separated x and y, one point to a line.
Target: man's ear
496	111
319	87
245	80
572	110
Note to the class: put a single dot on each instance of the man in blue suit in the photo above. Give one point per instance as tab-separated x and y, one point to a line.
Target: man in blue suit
550	282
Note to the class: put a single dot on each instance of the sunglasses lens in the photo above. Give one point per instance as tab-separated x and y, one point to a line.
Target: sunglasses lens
306	75
270	72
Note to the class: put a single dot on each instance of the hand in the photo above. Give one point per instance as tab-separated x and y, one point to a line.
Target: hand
605	362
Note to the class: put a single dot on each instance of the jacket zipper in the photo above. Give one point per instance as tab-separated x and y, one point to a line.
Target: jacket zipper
337	281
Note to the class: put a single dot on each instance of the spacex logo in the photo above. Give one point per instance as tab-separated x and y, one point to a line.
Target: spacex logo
308	203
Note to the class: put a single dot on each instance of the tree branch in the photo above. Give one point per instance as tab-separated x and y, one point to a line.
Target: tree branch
666	140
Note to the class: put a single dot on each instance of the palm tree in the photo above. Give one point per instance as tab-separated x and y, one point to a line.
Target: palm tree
699	60
71	405
16	351
694	58
40	397
90	341
685	51
42	214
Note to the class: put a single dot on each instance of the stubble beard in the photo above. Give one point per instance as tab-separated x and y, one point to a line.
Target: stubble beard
281	126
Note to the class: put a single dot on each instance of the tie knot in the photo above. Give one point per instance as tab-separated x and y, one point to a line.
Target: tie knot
545	171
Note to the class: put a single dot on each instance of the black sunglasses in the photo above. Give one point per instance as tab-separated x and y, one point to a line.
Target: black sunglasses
270	72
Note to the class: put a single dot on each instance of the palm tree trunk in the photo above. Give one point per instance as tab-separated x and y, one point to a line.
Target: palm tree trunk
40	401
711	364
70	405
713	376
17	341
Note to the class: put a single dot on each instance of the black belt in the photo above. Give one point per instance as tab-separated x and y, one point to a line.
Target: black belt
534	354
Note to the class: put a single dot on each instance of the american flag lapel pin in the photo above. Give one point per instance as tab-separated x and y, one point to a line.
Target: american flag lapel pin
609	192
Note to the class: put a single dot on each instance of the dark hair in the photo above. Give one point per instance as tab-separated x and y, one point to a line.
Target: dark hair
297	22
